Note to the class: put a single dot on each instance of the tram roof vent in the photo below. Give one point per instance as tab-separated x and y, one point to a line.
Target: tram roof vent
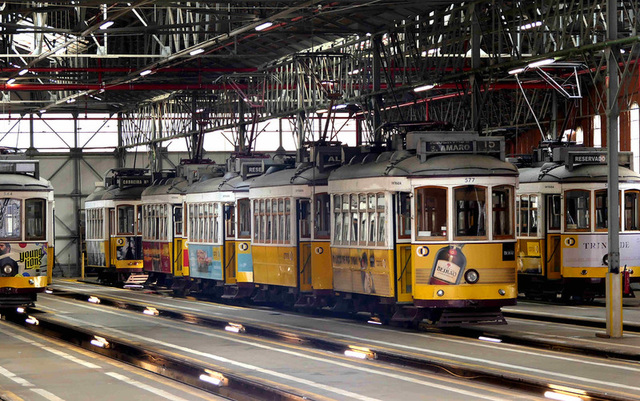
432	143
26	167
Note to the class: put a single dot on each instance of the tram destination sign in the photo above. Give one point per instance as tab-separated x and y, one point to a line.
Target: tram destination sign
577	158
134	181
588	158
479	145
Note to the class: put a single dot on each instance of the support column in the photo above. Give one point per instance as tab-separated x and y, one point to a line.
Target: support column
475	80
120	152
613	279
376	105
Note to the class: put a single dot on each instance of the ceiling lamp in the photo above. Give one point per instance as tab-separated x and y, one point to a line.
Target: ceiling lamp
145	72
424	88
196	51
264	26
106	25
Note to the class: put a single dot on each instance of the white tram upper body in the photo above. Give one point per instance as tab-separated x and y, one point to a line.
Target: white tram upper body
563	222
26	232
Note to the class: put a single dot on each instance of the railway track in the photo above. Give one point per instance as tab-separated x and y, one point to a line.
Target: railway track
237	387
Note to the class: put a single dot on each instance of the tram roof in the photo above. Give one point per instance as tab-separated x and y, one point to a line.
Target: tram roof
406	164
303	174
167	186
22	182
231	182
126	193
552	172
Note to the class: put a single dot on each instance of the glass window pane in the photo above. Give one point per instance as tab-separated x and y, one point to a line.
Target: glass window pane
126	219
553	211
431	219
470	203
501	199
404	215
35	219
577	206
601	210
10	219
631	222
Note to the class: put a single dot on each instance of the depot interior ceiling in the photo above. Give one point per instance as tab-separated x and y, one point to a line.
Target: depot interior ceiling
102	56
109	56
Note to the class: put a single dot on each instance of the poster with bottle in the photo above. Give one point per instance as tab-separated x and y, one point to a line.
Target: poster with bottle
448	265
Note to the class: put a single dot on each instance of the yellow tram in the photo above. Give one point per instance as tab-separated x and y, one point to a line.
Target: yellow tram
291	230
163	234
113	225
26	232
563	223
218	218
426	232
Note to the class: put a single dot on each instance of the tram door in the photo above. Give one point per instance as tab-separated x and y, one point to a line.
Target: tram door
552	233
304	244
177	257
111	231
404	264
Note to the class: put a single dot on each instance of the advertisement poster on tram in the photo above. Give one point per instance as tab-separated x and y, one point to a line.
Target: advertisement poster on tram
24	259
205	261
157	257
591	250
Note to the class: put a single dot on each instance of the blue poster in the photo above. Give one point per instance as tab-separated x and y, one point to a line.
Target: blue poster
204	262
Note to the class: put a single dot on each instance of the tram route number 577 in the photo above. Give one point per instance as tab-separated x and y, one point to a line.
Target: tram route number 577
469	180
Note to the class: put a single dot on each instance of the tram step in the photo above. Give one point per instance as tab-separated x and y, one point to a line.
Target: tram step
136	281
460	317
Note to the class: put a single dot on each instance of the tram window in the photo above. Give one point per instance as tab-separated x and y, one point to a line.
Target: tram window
244	218
346	224
470	204
138	222
230	220
372	228
275	234
382	229
363	228
162	222
431	209
256	222
553	211
577	206
601	209
631	221
528	207
404	215
323	216
261	222
501	198
287	220
193	222
177	217
305	215
35	219
126	219
337	235
216	223
268	217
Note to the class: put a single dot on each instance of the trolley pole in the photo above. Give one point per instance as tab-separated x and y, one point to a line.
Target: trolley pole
613	277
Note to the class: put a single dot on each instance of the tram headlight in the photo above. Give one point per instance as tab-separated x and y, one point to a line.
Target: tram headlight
471	276
440	293
7	269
